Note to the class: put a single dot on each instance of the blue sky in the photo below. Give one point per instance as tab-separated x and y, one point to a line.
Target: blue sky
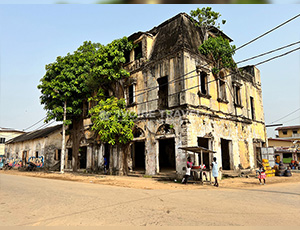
34	35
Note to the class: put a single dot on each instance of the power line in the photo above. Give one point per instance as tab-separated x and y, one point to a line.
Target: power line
44	126
180	77
236	71
35	123
286	115
268	32
281	55
272	51
244	46
291	120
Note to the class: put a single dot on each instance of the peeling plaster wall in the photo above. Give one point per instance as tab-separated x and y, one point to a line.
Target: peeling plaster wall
44	146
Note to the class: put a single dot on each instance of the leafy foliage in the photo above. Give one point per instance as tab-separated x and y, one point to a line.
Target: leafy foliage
220	51
65	79
112	122
205	17
76	76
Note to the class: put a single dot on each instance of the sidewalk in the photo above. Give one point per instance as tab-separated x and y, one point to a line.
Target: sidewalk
154	183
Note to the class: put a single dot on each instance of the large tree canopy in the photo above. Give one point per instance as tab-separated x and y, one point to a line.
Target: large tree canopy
75	77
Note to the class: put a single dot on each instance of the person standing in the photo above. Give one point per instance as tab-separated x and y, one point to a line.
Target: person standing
262	175
215	171
189	166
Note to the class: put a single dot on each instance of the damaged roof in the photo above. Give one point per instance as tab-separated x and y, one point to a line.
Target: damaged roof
178	32
34	134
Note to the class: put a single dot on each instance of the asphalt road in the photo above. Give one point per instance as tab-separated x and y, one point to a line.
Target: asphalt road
28	201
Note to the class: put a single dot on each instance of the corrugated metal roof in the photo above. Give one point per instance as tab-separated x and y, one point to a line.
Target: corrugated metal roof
35	134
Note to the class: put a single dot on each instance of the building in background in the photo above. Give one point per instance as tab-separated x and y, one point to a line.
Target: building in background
287	143
42	145
5	135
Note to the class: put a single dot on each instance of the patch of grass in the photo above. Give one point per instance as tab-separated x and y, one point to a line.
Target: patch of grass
147	176
287	160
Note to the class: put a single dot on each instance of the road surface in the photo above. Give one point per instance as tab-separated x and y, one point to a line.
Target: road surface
29	201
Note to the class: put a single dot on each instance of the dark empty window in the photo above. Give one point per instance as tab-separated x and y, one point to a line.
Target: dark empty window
70	153
138	51
203	83
295	131
131	94
163	92
252	108
2	140
222	89
237	95
36	154
57	155
284	132
127	56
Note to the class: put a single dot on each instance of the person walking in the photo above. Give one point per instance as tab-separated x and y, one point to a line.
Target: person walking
215	171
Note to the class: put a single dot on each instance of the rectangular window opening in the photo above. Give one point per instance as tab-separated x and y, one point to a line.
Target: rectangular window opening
203	83
284	132
163	92
222	88
131	94
138	51
252	108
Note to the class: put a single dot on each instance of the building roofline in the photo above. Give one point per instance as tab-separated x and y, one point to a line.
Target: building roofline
288	127
34	134
153	31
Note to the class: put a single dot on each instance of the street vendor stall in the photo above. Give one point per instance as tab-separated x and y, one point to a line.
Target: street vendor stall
198	162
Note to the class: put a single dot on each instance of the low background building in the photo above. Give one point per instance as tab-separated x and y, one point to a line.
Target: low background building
5	135
40	145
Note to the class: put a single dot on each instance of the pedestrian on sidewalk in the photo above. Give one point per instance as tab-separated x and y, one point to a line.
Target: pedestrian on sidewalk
262	175
215	171
189	166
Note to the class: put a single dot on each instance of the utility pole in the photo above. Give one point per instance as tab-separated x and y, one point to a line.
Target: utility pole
63	151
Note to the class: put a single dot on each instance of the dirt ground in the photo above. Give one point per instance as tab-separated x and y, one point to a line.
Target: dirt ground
153	183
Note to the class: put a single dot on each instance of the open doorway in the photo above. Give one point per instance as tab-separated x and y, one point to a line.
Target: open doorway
82	157
204	142
167	154
138	156
106	156
225	151
24	157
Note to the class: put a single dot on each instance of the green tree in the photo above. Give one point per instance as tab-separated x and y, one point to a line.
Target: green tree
215	47
220	51
206	18
69	79
114	125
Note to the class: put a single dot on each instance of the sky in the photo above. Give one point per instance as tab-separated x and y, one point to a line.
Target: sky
34	35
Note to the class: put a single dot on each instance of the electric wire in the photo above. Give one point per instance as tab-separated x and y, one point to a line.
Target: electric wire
286	115
282	24
272	51
255	39
236	71
34	124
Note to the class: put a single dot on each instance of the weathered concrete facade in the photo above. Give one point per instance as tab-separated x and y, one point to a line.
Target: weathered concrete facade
45	142
181	103
6	135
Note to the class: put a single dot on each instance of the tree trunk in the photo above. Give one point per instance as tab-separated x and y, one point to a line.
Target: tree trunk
76	134
124	153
